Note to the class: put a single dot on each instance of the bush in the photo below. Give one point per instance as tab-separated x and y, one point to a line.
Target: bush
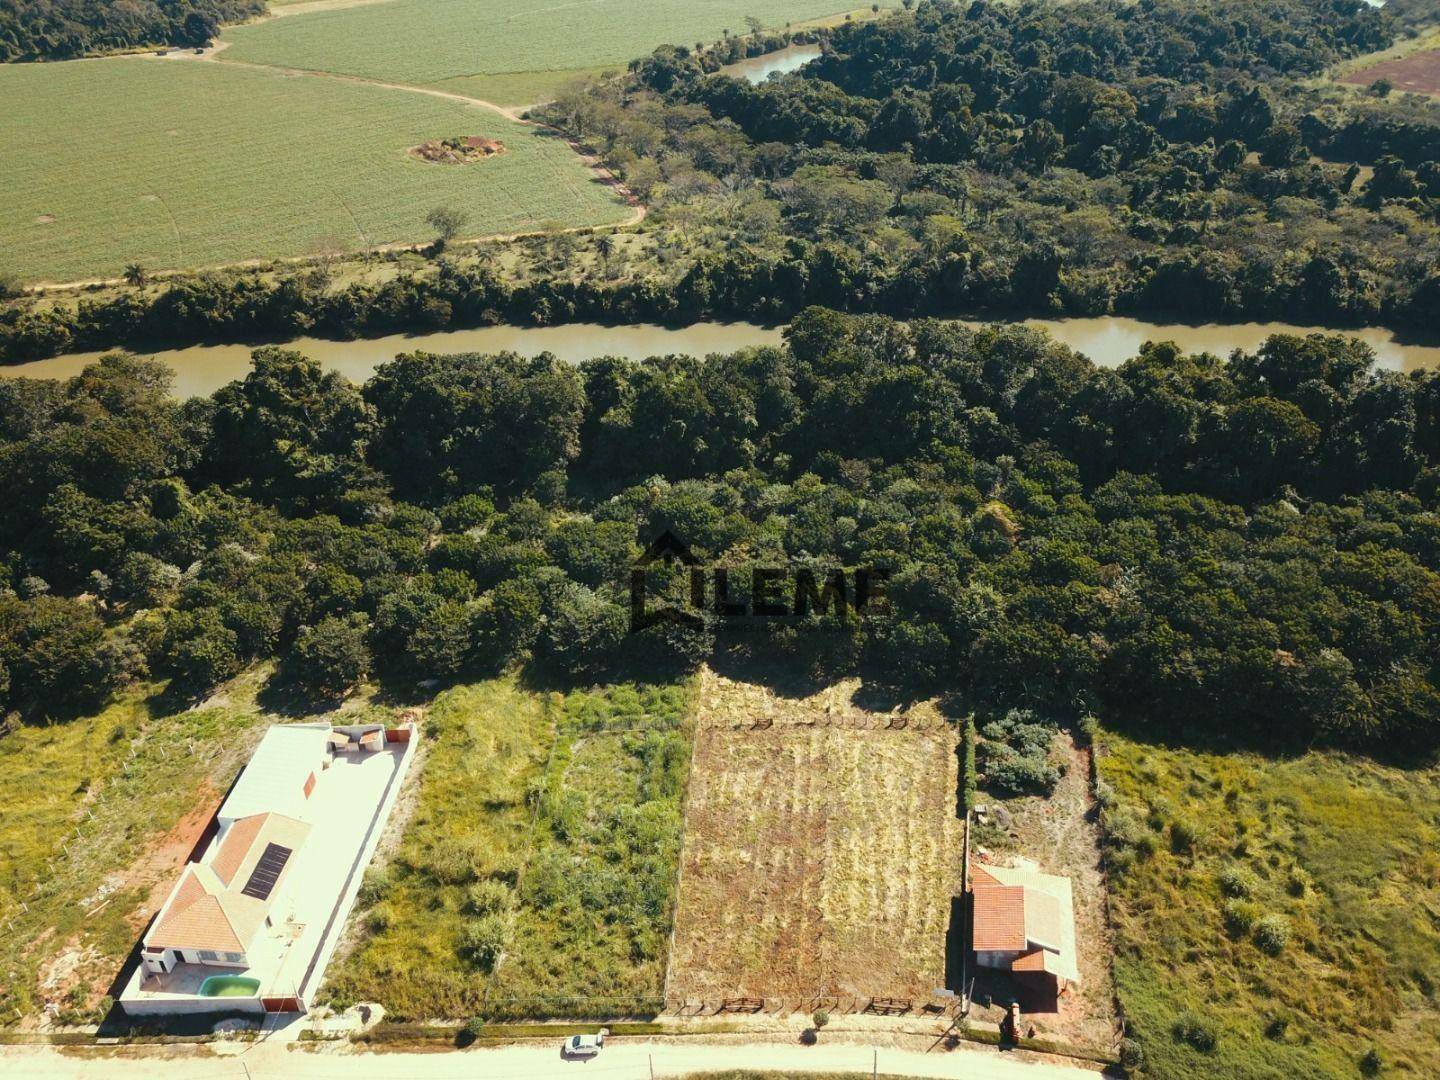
1272	934
1132	1055
1195	1031
1371	1063
485	941
1240	916
488	897
1238	881
332	657
475	1027
820	1019
1184	835
967	764
1011	773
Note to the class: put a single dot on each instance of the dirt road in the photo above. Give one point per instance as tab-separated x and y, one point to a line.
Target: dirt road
623	1060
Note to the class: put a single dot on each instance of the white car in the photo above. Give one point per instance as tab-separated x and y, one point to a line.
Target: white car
583	1045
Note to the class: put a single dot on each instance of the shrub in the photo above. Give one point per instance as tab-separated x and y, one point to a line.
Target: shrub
1297	882
374	887
488	897
1238	881
332	657
967	763
1240	916
1370	1062
485	941
1195	1031
1183	836
475	1027
1011	773
451	862
820	1019
1272	934
1132	1055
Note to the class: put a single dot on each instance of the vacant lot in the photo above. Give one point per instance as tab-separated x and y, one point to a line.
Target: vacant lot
1418	73
184	163
486	44
536	876
1214	851
821	849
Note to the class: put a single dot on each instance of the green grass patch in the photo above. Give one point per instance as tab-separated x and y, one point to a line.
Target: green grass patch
1274	917
175	164
537	875
426	41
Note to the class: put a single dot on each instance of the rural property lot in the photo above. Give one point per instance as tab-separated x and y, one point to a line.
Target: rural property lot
821	851
181	163
472	41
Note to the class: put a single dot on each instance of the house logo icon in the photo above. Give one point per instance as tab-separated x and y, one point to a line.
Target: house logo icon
665	549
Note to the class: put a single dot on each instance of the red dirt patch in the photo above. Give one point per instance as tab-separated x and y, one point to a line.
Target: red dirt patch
1418	73
461	151
173	851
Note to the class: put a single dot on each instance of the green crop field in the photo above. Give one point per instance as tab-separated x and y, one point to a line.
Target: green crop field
430	41
180	163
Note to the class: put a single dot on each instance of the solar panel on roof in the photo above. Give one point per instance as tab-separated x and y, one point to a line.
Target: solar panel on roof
267	871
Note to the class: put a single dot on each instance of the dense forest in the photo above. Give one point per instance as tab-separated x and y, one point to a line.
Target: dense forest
1246	548
65	29
1163	158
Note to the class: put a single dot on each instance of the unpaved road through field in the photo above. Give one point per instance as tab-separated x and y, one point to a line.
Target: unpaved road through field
622	1060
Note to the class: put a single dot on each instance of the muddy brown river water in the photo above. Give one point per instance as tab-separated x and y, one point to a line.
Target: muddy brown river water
203	369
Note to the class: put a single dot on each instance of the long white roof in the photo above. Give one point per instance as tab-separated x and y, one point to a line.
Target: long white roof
273	781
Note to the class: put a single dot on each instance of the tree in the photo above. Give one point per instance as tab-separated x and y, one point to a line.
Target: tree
332	657
135	275
52	649
1041	145
447	221
199	650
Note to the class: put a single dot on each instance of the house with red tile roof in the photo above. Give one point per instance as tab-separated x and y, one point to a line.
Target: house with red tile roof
252	922
1023	921
219	907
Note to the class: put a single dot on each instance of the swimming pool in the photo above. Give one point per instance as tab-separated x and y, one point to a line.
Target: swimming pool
229	986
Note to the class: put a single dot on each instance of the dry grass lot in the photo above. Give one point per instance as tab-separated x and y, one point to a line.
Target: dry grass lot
821	851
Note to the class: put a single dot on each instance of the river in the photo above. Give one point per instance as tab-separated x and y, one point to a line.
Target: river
757	69
1108	341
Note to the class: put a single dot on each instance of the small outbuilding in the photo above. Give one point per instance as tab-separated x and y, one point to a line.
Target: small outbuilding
1023	921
